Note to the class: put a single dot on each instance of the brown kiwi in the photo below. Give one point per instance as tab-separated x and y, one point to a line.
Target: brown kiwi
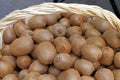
116	74
9	59
5	68
107	56
6	50
37	22
84	67
97	41
10	77
73	30
54	71
9	35
63	61
23	61
40	35
86	26
19	28
92	33
22	46
65	22
117	59
51	19
77	42
62	45
46	77
112	38
76	20
91	52
38	67
46	52
69	74
22	74
100	24
104	74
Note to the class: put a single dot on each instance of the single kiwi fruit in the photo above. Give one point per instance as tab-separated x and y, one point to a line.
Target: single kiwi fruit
76	20
104	74
22	46
91	52
46	52
84	67
9	35
109	53
40	35
62	45
73	30
37	22
69	74
38	67
97	41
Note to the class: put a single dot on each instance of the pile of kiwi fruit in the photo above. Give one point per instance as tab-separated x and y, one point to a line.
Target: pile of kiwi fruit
60	46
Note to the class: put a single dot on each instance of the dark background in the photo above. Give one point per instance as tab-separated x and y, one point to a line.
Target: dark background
7	6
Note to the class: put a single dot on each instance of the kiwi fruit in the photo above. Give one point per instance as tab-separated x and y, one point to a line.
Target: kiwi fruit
84	67
37	22
97	41
46	52
91	52
5	68
69	74
65	22
62	45
21	46
9	35
63	61
38	67
40	35
104	74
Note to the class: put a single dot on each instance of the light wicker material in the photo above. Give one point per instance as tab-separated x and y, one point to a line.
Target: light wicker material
47	8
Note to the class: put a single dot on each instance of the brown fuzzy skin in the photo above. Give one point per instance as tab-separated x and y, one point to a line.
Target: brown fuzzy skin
104	74
9	35
77	42
107	56
46	77
22	74
73	30
84	67
97	41
51	19
91	52
117	59
62	45
5	68
69	74
112	38
22	46
46	52
38	67
54	71
76	20
116	74
23	61
65	22
63	61
87	78
19	28
32	76
40	35
37	22
6	50
10	77
92	33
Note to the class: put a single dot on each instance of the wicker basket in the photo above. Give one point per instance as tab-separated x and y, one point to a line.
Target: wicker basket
47	8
